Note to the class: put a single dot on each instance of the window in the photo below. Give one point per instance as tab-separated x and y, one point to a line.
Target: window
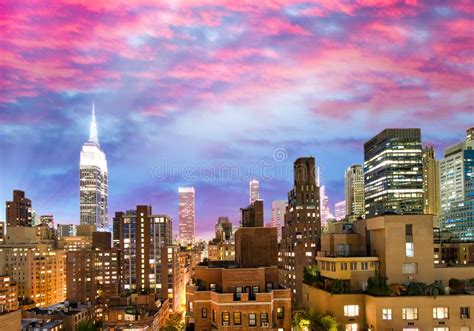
409	249
237	318
351	327
213	315
255	289
353	265
204	312
409	268
440	328
269	287
387	314
465	313
225	318
263	319
280	313
410	313
252	319
333	266
351	310
440	313
238	292
364	266
212	287
344	266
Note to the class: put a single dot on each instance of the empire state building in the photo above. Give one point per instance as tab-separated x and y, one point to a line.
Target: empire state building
93	180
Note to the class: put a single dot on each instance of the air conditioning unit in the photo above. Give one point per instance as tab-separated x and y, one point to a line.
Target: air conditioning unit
265	325
225	323
463	317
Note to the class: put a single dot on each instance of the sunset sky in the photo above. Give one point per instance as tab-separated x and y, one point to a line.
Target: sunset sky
187	89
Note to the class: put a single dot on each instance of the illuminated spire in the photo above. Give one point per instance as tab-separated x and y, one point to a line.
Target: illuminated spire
93	137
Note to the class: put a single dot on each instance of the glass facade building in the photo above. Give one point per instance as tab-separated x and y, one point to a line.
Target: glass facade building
393	173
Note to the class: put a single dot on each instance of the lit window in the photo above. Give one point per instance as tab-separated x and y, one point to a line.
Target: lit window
264	319
237	318
410	313
440	313
351	310
280	313
441	328
225	318
409	249
409	268
252	319
351	327
465	313
387	314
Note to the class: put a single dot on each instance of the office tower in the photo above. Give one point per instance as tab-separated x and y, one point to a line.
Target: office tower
354	192
326	214
301	234
431	193
18	211
65	230
340	210
150	261
186	215
252	216
457	188
93	181
223	229
94	274
278	215
254	191
393	173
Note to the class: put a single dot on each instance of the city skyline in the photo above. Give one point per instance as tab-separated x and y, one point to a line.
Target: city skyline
293	104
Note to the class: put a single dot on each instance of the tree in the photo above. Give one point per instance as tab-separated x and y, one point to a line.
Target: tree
434	289
173	323
86	325
339	286
312	276
416	288
397	289
377	286
314	321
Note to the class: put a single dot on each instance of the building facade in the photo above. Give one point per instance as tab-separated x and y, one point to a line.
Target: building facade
186	215
278	215
393	173
93	181
301	234
354	192
254	191
18	211
340	210
457	188
431	195
8	294
252	216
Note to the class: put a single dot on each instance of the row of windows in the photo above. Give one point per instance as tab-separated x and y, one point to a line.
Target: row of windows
237	317
331	266
409	313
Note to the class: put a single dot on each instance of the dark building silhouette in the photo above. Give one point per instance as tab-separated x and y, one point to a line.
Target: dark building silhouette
252	216
18	211
301	234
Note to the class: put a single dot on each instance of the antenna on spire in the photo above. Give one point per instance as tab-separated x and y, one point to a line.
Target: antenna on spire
93	136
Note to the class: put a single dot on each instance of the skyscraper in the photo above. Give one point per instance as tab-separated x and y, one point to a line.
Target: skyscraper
393	173
278	215
301	234
326	214
93	180
150	261
456	172
254	191
340	210
186	215
354	192
430	182
18	211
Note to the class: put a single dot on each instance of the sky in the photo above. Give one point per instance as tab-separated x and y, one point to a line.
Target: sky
213	93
